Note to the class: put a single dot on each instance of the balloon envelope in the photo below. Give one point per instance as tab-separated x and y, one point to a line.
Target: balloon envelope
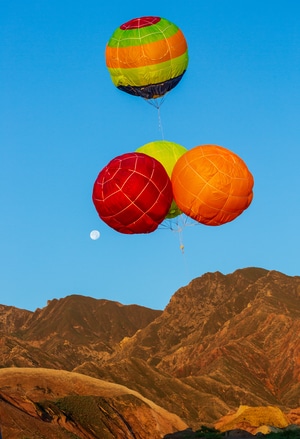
167	153
133	193
212	185
147	56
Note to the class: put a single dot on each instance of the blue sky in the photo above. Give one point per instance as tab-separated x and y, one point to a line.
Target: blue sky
62	121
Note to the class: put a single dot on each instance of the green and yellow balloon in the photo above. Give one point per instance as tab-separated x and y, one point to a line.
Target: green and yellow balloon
167	153
147	57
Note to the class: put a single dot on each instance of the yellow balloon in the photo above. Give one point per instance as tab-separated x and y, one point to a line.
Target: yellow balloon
167	153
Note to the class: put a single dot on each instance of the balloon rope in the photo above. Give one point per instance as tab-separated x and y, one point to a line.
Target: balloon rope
181	245
160	127
184	260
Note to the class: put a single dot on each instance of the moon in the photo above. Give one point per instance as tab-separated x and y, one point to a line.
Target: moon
94	235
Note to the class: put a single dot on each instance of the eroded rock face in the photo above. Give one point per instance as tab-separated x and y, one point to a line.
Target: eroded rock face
232	340
59	404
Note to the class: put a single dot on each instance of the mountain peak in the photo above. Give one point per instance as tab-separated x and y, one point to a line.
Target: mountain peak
222	342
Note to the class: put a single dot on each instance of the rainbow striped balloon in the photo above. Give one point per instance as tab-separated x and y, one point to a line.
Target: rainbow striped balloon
147	57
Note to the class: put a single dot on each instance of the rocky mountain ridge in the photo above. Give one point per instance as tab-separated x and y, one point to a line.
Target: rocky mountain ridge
223	341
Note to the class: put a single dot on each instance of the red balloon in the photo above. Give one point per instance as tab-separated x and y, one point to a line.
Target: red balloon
133	193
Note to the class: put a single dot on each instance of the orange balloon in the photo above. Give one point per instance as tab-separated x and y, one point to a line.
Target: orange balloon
212	185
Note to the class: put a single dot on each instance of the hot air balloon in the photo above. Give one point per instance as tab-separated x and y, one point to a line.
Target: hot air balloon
212	185
147	56
167	153
133	193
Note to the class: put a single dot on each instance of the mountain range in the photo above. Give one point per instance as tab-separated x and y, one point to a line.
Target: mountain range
81	366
